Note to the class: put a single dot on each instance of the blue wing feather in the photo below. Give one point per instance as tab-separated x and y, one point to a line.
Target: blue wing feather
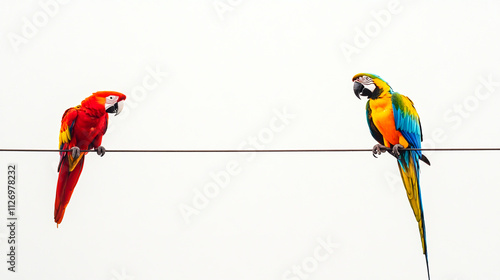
407	121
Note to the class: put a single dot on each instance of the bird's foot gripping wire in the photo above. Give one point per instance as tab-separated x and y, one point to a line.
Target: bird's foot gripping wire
378	149
395	150
75	152
101	151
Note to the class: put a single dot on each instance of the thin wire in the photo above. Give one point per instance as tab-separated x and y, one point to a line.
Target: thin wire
258	151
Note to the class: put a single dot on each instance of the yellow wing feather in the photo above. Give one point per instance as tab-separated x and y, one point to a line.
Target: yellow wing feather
65	135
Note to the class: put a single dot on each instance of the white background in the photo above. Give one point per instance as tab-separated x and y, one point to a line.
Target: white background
229	71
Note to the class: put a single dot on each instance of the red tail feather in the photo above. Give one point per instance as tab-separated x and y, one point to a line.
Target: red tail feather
65	185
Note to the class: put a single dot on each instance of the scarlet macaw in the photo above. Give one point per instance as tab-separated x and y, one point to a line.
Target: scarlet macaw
395	124
82	128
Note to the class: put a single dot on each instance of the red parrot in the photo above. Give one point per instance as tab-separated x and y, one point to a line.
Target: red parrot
82	128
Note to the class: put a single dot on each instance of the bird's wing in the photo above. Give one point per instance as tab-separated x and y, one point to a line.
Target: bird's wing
66	136
407	120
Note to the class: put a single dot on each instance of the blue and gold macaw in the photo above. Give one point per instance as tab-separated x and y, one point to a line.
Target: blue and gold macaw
395	124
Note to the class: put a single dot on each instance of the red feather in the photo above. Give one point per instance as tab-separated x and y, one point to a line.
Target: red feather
65	185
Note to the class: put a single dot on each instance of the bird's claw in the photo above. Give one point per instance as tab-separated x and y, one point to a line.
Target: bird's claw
378	150
75	152
395	150
101	151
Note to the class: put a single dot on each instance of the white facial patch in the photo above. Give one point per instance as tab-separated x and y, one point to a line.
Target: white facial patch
371	87
367	82
110	101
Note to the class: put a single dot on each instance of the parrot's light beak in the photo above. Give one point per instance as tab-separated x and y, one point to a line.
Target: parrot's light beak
116	108
120	106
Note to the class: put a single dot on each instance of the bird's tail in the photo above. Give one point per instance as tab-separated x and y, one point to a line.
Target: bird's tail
409	168
65	185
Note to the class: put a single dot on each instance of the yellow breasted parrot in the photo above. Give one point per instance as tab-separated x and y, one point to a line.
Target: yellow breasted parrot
395	124
82	128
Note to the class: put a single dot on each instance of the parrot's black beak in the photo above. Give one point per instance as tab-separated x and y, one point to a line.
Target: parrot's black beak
112	109
116	108
358	88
